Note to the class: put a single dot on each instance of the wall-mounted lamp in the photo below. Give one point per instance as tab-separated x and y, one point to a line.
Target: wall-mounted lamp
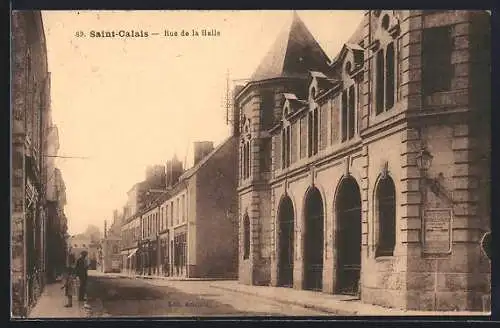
424	160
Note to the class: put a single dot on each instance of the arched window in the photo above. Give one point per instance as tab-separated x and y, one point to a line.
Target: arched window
246	237
386	202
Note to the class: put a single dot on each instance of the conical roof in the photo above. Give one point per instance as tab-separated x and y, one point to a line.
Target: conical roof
293	54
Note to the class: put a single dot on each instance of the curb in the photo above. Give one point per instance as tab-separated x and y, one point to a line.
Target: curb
163	278
301	304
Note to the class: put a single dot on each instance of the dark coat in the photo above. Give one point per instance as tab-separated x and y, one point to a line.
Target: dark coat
81	268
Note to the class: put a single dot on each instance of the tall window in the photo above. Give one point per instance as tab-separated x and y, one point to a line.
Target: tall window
183	208
167	215
379	81
171	213
313	132
437	68
351	111
386	199
246	159
385	79
285	147
389	76
348	122
242	161
161	219
177	211
246	237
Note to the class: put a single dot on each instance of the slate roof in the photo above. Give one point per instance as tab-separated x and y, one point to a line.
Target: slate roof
293	54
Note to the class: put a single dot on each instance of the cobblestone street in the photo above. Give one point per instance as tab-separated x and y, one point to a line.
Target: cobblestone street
110	296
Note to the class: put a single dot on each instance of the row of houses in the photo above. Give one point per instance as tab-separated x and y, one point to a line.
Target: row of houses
366	174
38	193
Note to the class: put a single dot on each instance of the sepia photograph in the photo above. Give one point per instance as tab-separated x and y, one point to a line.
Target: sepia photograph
250	163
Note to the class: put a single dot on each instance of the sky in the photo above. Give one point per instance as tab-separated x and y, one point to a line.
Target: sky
126	103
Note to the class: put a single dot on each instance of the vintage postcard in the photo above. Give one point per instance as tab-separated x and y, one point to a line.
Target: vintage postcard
187	163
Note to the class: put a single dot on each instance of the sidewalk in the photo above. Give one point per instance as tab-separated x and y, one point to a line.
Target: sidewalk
51	305
133	276
334	304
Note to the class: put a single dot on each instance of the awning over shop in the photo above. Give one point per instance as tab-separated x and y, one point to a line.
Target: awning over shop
133	252
124	252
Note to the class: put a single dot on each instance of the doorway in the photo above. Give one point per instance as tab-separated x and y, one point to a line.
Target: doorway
313	243
348	205
286	242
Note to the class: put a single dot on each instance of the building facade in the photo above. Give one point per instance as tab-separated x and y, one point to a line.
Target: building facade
179	234
369	174
35	218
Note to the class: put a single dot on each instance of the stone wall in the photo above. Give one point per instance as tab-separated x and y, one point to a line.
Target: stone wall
216	220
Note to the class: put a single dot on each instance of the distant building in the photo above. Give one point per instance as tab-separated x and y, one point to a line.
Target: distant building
79	243
111	260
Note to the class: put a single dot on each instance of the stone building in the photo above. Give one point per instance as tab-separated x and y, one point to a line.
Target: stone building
369	174
32	168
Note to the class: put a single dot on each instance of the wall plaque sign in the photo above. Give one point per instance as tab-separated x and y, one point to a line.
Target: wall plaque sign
437	230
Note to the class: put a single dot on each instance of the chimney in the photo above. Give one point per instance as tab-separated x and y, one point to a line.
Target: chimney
173	170
155	176
202	149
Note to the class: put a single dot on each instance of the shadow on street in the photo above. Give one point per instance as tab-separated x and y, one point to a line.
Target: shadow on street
112	297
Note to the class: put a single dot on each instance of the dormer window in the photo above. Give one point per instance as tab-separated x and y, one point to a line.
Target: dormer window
348	68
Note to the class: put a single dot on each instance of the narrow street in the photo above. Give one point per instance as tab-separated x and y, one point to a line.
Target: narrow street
122	297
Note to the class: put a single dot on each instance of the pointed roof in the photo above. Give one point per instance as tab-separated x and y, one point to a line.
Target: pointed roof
293	54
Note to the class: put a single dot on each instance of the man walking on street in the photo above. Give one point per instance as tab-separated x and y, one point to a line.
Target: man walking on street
81	271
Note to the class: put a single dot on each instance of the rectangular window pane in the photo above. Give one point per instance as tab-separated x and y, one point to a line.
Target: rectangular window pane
352	112
309	134
436	59
379	82
343	128
288	145
283	148
390	76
